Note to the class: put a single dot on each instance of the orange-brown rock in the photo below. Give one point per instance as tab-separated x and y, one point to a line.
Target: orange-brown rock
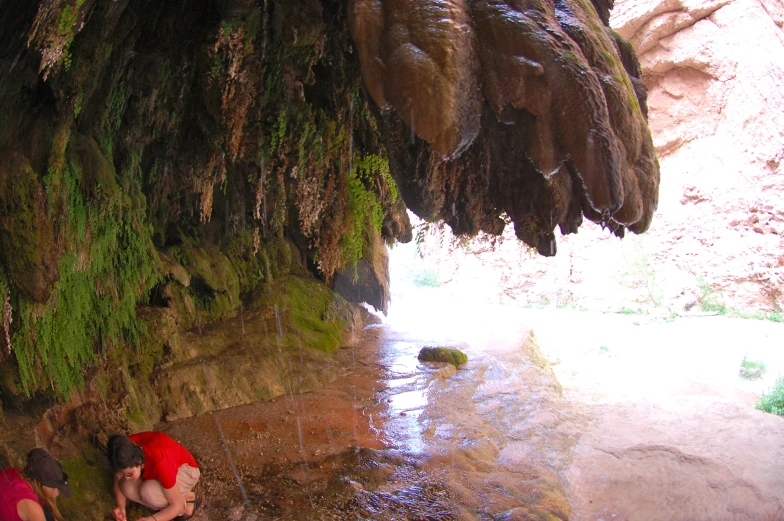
420	58
529	108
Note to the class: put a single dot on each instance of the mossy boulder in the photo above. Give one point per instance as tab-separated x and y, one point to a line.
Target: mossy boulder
447	355
533	352
203	284
277	255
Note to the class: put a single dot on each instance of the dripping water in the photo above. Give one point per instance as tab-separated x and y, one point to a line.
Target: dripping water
264	33
230	459
264	198
280	327
242	319
301	444
351	137
226	213
413	135
355	420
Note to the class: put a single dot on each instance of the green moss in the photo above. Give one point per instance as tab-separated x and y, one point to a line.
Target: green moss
443	354
773	400
278	255
108	265
27	245
364	207
318	317
66	27
215	283
90	480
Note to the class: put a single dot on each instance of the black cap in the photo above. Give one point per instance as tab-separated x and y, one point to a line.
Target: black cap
47	471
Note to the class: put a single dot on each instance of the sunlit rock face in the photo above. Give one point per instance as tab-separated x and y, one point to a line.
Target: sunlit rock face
532	109
715	73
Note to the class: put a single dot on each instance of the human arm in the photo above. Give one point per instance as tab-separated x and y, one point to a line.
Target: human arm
30	510
119	497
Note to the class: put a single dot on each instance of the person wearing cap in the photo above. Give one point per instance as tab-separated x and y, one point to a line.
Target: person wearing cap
154	470
30	495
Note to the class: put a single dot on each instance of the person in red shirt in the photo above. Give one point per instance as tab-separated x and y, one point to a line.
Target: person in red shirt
154	470
30	495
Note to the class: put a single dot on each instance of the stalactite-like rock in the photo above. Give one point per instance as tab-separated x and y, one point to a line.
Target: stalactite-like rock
559	98
127	130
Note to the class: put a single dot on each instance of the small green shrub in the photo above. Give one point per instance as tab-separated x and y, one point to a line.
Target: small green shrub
773	400
638	271
710	301
751	369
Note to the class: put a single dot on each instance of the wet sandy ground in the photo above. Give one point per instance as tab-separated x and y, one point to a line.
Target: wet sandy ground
616	436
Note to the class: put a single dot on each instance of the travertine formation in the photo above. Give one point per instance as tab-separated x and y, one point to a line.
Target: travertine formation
527	108
717	118
244	139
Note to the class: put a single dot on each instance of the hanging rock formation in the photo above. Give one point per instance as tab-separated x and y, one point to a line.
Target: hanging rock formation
531	109
716	113
165	163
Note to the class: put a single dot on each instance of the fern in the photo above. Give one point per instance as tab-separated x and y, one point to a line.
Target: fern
107	268
365	210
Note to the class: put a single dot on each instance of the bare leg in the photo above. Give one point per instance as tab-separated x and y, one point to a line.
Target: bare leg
130	489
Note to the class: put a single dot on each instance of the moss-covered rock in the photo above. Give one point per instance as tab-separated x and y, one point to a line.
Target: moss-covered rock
90	479
447	355
27	242
278	253
531	350
278	345
213	284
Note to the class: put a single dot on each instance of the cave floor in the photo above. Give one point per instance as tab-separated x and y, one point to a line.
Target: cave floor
631	418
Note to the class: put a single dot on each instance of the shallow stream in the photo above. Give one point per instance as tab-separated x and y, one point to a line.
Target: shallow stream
583	430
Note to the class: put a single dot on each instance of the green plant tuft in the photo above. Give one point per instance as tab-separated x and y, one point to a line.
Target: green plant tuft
364	208
773	400
752	370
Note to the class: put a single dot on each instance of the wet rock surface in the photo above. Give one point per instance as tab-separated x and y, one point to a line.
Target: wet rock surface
615	435
531	109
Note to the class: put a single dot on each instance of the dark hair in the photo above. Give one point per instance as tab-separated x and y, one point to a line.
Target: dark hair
123	453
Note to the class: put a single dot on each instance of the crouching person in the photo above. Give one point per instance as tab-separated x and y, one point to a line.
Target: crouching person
30	495
154	470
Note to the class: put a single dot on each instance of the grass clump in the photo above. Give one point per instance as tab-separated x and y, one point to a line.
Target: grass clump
751	369
773	400
711	301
